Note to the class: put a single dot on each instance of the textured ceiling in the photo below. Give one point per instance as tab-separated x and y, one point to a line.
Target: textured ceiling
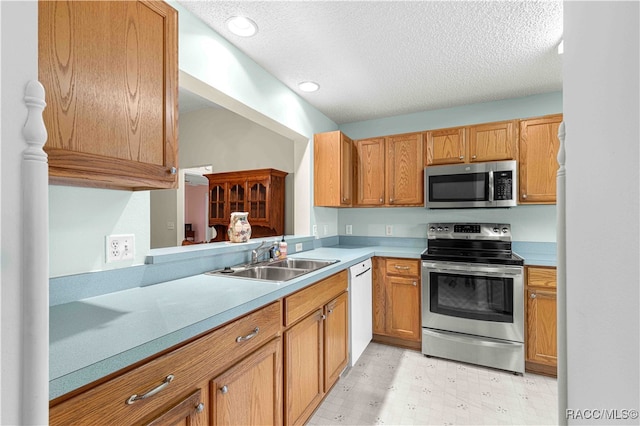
377	59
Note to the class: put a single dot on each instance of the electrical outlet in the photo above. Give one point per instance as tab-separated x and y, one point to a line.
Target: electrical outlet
325	229
298	247
389	230
315	230
120	247
349	229
171	226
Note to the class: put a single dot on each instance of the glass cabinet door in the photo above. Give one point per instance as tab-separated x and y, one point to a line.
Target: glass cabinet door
217	195
236	198
257	201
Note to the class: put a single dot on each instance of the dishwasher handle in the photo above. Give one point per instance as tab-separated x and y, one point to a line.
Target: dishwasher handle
363	272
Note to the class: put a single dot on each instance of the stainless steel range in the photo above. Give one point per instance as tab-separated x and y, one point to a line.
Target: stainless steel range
473	296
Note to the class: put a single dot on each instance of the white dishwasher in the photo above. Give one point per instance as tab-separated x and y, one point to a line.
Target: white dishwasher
361	308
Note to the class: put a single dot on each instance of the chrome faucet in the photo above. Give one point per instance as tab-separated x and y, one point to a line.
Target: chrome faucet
259	251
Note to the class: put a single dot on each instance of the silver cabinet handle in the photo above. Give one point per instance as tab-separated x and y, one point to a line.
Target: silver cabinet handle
524	196
323	317
200	408
381	200
473	157
461	157
415	284
402	268
533	295
133	398
249	336
224	389
173	170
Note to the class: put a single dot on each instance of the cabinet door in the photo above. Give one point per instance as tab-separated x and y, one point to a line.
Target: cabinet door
332	170
250	393
379	296
403	307
493	141
538	152
370	181
405	170
257	200
542	327
304	373
237	196
217	204
446	146
346	171
111	89
188	412
336	339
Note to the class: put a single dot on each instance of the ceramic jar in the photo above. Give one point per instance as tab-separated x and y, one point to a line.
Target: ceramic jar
239	230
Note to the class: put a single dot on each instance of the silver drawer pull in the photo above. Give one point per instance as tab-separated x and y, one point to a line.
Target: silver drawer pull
249	336
200	408
133	398
403	268
224	389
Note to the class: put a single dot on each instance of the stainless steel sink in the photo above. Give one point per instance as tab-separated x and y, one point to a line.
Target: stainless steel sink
276	271
268	273
308	264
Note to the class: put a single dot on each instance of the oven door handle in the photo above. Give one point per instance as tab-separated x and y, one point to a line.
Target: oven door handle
498	270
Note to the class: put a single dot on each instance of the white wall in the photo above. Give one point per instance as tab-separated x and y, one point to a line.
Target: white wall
229	142
601	113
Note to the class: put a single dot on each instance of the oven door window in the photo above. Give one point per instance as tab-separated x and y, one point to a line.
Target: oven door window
474	297
462	187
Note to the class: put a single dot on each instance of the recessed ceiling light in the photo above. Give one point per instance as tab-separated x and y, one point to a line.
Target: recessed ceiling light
242	26
308	86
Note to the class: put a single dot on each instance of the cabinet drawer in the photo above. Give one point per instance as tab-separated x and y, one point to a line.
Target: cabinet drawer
402	267
107	402
301	303
541	277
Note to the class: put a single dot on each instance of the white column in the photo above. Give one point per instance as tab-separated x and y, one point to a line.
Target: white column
35	262
561	298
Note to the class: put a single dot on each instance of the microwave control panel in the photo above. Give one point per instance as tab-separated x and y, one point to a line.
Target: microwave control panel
503	185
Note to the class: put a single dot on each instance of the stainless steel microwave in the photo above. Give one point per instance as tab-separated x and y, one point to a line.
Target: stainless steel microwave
459	186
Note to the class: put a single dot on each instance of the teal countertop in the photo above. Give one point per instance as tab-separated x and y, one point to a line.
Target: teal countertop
96	336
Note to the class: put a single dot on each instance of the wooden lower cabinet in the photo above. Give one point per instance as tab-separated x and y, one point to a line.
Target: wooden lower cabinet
541	319
336	338
184	413
396	301
250	393
304	387
174	388
267	367
316	346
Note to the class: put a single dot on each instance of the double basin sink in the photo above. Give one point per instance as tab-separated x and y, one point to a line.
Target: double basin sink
275	271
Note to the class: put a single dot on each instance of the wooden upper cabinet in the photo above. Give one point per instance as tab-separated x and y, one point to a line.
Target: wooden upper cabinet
405	170
110	72
369	166
493	141
538	155
446	146
332	170
389	171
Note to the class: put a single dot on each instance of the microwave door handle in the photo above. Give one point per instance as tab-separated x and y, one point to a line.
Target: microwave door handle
491	185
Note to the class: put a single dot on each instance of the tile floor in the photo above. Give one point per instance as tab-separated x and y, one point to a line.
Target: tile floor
395	386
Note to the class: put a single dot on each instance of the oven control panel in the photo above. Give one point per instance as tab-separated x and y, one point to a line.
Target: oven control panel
466	231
